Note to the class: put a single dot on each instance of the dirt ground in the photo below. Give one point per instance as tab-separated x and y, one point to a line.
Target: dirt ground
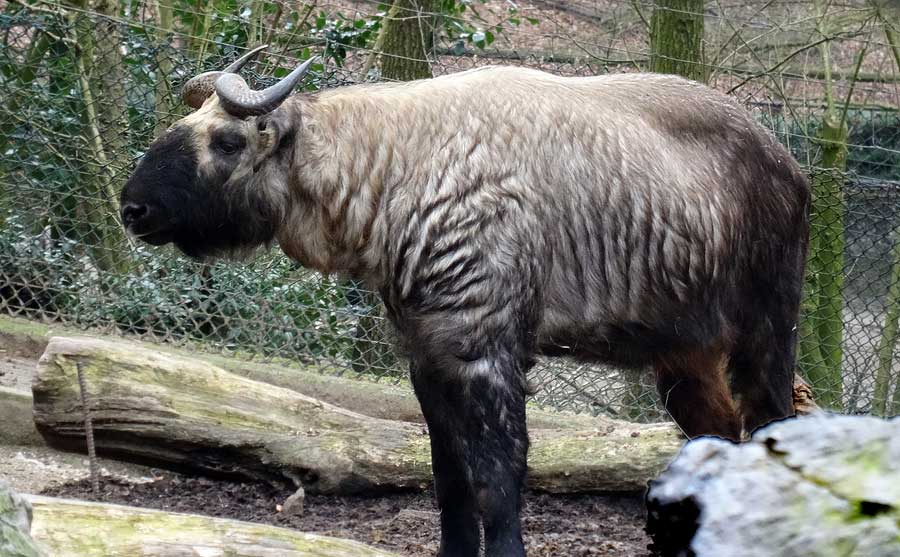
558	526
33	469
16	373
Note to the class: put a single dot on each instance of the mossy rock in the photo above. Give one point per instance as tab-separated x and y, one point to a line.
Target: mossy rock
15	525
817	486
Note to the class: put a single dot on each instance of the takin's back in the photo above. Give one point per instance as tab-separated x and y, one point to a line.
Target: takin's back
635	145
640	195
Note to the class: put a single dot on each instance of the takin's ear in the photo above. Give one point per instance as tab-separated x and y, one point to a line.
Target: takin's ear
272	136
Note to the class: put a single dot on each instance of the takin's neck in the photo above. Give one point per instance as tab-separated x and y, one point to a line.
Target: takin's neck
344	162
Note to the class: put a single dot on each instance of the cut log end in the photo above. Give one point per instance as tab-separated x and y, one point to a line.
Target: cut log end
804	402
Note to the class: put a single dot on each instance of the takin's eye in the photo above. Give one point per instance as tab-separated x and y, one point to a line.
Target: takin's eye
228	144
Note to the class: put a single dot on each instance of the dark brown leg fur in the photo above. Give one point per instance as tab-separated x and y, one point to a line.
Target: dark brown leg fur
762	382
693	389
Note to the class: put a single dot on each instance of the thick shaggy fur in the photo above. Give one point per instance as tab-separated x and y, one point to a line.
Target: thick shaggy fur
503	213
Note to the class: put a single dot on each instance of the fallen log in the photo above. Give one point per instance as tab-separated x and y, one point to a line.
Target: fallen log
153	407
69	528
377	400
353	391
350	390
817	485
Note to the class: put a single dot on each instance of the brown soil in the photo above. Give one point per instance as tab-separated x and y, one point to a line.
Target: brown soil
407	523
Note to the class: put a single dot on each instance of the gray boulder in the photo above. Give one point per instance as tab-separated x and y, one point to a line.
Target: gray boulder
817	485
15	525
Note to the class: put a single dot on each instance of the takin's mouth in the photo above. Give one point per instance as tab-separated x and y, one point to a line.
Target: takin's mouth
156	238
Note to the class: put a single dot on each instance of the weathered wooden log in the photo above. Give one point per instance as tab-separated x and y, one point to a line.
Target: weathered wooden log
350	390
15	525
153	407
364	396
818	485
68	528
802	396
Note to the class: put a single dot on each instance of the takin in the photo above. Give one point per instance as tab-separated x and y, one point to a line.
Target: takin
639	220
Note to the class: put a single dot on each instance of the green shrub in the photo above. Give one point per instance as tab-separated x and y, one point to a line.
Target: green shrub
268	306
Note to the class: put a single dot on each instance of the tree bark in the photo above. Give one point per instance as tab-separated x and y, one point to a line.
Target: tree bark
821	328
100	80
816	486
676	38
153	407
891	330
165	96
881	403
407	40
82	529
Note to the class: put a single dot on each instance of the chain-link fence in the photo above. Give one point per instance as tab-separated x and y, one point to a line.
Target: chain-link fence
86	85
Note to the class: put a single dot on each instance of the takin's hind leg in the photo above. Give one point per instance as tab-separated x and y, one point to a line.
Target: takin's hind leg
762	379
694	391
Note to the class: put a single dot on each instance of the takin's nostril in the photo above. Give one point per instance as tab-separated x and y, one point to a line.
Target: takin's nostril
132	212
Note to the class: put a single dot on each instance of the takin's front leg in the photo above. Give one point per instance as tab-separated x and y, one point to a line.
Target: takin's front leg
475	412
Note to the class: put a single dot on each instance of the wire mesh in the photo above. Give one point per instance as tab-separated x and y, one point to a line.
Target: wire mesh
86	86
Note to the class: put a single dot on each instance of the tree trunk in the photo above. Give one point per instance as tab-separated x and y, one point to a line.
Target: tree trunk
817	486
821	347
889	333
165	96
890	22
821	323
69	528
676	39
888	341
376	399
100	80
108	82
408	36
153	407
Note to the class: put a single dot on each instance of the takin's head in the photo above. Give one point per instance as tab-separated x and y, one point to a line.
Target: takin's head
215	183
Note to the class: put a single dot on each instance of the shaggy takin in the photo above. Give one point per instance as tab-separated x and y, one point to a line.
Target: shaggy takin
504	213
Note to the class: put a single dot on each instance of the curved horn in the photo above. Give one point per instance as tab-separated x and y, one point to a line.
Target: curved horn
239	100
236	66
200	87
